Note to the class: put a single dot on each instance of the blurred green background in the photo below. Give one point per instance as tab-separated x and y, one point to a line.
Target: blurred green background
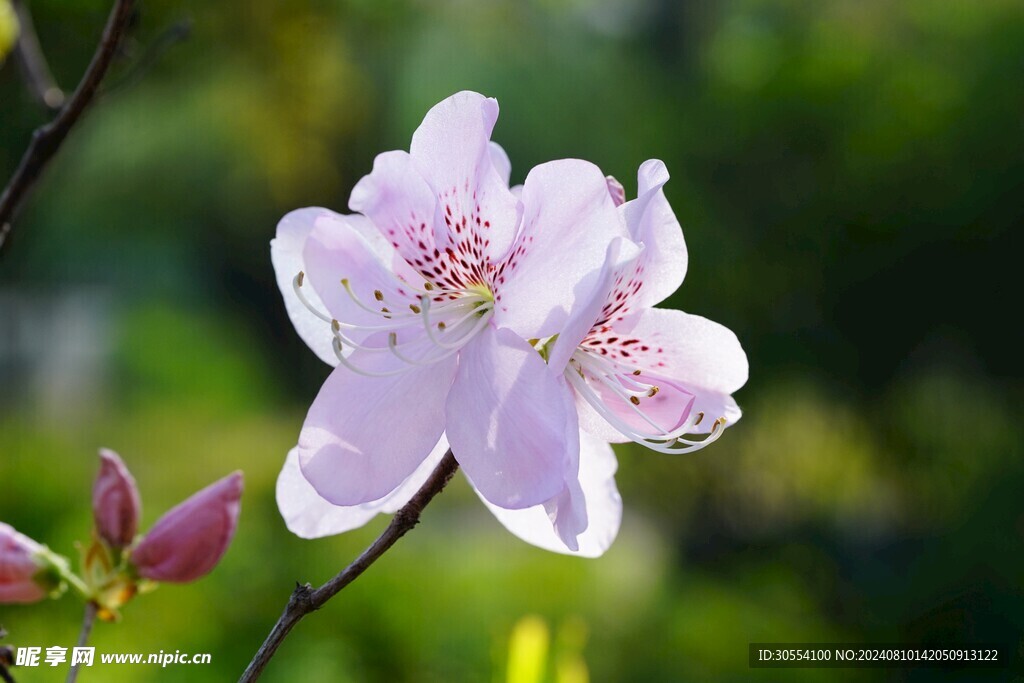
849	175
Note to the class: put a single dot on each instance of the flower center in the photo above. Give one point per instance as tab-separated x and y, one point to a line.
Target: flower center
442	321
588	372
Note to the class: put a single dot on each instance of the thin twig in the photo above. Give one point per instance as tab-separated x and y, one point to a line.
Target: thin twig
306	599
176	33
34	66
88	619
47	139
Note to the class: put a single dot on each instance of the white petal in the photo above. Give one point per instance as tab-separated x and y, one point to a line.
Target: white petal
568	221
506	420
596	487
308	515
364	436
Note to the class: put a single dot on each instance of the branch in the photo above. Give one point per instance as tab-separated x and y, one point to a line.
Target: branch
88	619
34	67
47	139
168	38
306	599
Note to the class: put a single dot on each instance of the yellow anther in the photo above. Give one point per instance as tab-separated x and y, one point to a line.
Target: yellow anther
414	308
652	392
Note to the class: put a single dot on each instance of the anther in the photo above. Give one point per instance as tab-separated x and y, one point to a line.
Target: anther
428	286
652	392
302	278
634	400
441	325
700	417
378	295
636	372
414	308
335	325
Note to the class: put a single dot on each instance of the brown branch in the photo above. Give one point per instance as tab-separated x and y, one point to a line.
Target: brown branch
306	599
47	139
34	66
88	619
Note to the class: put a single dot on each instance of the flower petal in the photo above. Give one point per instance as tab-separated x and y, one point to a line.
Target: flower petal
336	251
507	419
286	253
401	204
189	540
502	164
308	515
620	253
691	350
452	150
595	489
652	223
364	436
568	221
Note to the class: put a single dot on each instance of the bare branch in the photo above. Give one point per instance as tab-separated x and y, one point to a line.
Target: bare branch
306	599
47	139
88	619
172	35
34	66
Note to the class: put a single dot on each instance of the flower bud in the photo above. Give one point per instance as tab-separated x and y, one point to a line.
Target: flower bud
616	190
188	541
115	502
20	562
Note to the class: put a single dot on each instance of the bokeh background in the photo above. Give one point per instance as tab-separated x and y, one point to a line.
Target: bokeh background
849	175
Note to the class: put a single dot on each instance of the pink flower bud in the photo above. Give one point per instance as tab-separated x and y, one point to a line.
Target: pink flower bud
616	190
19	564
115	501
188	541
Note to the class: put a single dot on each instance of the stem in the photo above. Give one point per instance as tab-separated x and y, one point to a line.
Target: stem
306	599
34	67
88	619
47	139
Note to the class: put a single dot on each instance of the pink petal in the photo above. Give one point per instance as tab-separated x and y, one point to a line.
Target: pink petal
652	223
400	202
190	539
507	420
286	253
18	566
115	501
668	409
337	250
595	489
307	515
689	349
364	436
502	164
620	254
568	221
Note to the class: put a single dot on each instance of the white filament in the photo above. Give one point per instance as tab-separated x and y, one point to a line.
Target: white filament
465	305
612	376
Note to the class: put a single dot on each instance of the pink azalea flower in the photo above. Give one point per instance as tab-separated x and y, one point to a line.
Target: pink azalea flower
424	300
115	501
655	376
190	539
20	564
